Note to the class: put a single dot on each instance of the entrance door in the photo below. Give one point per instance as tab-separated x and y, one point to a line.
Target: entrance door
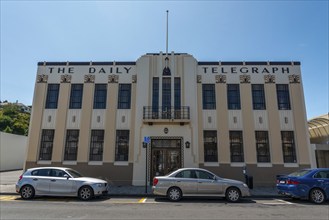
165	159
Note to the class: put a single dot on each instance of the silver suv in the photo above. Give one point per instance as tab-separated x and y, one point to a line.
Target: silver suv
59	181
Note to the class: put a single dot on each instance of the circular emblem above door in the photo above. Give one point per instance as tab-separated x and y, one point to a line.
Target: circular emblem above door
166	130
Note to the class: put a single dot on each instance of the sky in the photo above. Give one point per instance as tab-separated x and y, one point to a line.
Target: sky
33	31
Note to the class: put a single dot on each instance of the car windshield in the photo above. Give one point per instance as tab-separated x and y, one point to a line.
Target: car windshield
299	173
74	173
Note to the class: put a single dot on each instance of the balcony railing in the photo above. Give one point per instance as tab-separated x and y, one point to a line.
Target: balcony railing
179	114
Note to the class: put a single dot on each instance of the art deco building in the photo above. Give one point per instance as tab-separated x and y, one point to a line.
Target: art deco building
222	116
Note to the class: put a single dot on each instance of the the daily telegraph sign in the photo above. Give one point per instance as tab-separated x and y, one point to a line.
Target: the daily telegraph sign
271	69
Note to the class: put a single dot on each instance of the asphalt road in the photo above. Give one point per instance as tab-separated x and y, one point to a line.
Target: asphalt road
12	207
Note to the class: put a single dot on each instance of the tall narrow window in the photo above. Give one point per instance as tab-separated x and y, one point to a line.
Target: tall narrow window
258	97
76	96
155	98
288	147
96	145
100	95
177	94
52	96
71	146
122	145
208	96
210	146
236	146
166	98
233	96
282	91
124	96
47	141
262	146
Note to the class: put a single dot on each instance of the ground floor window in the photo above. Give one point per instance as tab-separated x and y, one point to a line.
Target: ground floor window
96	145
262	147
288	147
71	146
46	147
122	145
210	146
236	146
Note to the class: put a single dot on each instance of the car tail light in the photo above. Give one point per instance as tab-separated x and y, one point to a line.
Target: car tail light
20	177
155	181
292	182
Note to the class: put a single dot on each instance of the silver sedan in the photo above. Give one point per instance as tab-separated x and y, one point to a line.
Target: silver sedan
58	181
198	182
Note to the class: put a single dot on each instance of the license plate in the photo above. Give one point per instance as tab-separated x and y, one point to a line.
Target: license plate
282	181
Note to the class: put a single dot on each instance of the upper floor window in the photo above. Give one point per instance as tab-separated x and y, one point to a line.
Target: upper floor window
208	96
76	96
124	96
177	93
166	93
210	146
52	96
282	91
233	96
155	94
47	141
100	95
258	97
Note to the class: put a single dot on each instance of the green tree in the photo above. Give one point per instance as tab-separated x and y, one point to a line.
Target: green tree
12	120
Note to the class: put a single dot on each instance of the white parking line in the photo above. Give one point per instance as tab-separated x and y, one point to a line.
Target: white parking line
276	202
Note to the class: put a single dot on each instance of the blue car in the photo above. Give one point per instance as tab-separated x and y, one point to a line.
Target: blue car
312	184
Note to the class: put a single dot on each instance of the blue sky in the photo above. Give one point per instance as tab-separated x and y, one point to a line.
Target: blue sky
33	31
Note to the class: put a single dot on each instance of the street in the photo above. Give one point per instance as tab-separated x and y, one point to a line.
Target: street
12	207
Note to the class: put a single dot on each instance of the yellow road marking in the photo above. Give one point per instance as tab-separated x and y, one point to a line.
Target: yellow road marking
8	198
142	200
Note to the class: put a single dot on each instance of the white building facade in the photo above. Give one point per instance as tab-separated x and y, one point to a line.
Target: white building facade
222	116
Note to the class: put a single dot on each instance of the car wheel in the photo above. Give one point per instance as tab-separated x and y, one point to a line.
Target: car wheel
27	192
85	193
174	194
232	194
317	196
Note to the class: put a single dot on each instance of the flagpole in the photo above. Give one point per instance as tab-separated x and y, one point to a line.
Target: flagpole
167	36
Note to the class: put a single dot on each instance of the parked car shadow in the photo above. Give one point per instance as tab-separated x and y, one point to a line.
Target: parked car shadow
202	200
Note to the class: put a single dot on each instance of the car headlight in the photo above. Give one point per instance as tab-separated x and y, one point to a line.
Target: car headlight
245	185
99	185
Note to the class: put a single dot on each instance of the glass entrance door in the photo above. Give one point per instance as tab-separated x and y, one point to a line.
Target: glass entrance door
166	157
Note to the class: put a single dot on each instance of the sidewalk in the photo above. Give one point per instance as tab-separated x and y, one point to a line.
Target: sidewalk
8	180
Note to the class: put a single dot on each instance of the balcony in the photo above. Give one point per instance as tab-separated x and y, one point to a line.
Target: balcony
166	115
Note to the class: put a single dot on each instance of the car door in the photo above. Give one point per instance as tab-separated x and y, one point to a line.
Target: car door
208	183
186	180
41	181
60	184
322	180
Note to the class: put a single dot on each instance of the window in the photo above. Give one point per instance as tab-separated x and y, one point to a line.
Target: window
233	96
288	147
186	174
258	97
210	146
52	96
282	91
204	175
71	146
262	147
177	94
166	92
100	96
96	145
46	148
122	145
124	96
236	146
41	172
322	175
155	97
208	96
76	96
57	173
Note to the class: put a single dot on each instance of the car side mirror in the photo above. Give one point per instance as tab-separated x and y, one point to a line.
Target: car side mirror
67	176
